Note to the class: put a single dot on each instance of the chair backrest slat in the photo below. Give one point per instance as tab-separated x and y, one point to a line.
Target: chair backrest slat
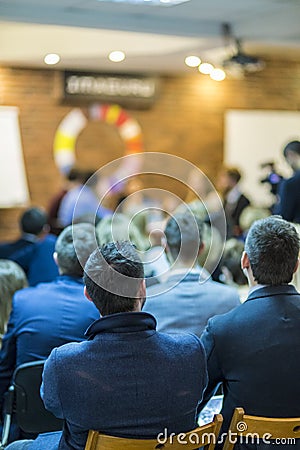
205	436
253	428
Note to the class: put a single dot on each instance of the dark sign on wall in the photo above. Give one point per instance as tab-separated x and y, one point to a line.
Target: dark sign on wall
126	90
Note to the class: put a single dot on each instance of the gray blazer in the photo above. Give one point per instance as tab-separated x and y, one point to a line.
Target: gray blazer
184	304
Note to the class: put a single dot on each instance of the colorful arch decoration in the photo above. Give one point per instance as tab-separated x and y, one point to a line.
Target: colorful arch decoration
75	121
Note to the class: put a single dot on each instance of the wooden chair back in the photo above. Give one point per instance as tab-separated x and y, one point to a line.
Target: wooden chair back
266	428
206	435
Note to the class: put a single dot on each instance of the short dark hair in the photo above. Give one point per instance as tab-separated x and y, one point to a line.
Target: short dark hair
184	234
33	221
234	174
272	246
293	146
113	276
74	174
73	246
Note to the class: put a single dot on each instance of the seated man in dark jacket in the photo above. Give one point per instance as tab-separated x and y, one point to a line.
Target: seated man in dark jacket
33	225
127	379
50	314
254	350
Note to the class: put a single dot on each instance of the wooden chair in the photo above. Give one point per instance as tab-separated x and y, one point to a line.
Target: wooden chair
206	436
265	428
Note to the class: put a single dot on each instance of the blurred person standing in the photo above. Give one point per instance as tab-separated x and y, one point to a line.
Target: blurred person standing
289	189
234	201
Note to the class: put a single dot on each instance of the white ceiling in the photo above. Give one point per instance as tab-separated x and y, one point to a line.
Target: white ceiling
154	38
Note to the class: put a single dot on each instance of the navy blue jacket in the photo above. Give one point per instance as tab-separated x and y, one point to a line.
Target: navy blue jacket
37	260
184	304
254	351
42	318
7	249
126	380
289	194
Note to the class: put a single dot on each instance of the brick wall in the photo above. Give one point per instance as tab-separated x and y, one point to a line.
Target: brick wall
186	120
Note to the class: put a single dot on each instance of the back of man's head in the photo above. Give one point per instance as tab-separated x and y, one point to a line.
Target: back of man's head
73	247
113	276
234	174
293	146
272	246
183	233
33	221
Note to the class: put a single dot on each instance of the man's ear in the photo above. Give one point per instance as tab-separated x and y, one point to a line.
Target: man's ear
86	294
169	254
201	248
245	263
142	290
55	258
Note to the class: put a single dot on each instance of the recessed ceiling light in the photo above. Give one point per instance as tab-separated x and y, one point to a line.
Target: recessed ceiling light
192	61
116	56
218	75
51	59
206	68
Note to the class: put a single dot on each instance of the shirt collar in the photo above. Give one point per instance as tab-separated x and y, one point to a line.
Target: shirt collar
29	237
70	278
122	323
255	287
233	195
196	272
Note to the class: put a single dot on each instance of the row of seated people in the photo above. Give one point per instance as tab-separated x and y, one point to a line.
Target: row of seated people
120	363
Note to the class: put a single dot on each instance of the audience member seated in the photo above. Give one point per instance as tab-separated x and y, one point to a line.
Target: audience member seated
120	228
188	298
34	250
82	199
127	379
33	225
296	278
254	350
12	279
50	314
249	215
37	261
230	265
213	236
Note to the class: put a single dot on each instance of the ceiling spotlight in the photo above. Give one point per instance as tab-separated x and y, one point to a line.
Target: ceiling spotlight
192	61
206	68
218	75
51	59
116	56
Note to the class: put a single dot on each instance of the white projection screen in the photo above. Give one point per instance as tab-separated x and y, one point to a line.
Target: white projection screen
253	137
13	182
